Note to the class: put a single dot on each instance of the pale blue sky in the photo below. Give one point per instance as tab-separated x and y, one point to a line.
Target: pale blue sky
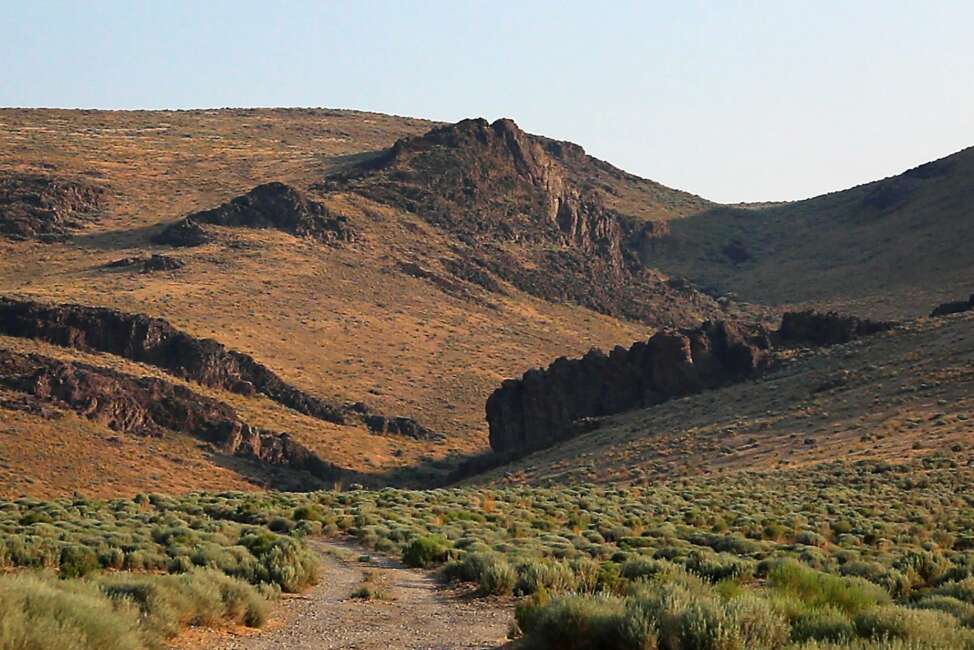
731	100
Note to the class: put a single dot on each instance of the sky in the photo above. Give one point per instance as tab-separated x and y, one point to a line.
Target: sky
735	101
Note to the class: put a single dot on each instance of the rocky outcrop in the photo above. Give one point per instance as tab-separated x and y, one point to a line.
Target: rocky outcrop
511	202
149	406
34	206
148	264
955	307
272	205
826	329
155	342
185	233
553	404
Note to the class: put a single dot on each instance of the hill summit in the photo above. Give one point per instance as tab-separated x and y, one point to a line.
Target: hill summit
516	209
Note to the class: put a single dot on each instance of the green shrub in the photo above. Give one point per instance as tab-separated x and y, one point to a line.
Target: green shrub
41	615
822	624
424	552
963	612
497	577
573	623
926	626
548	575
169	603
77	562
817	589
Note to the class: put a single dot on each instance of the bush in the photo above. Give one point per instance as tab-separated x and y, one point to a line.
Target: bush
424	552
77	562
817	589
822	624
963	612
535	575
204	597
497	577
927	626
574	623
43	615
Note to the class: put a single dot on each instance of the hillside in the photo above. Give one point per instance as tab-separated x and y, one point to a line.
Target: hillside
345	297
889	249
891	396
367	281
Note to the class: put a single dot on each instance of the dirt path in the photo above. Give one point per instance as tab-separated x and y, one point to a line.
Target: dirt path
419	615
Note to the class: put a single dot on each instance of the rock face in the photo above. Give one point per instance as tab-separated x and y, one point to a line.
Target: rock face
542	407
549	405
272	205
826	329
155	342
148	264
955	307
510	202
44	207
148	406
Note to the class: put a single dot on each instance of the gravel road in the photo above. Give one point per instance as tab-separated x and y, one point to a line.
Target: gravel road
419	614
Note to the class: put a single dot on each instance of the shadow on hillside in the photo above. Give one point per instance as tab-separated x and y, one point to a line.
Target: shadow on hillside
282	478
437	473
118	239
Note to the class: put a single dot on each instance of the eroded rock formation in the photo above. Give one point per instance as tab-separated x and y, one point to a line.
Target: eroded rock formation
149	406
514	208
272	205
155	342
545	406
34	206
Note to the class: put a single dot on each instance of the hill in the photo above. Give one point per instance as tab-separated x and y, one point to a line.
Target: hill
344	295
389	274
889	249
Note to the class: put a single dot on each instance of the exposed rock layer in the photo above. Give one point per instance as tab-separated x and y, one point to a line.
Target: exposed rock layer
549	405
34	206
148	406
155	342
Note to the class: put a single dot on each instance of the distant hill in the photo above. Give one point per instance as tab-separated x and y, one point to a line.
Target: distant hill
891	248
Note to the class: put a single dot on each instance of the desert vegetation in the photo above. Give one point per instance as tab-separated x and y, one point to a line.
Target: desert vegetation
866	553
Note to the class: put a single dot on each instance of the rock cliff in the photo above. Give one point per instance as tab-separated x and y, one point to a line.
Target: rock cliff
545	406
